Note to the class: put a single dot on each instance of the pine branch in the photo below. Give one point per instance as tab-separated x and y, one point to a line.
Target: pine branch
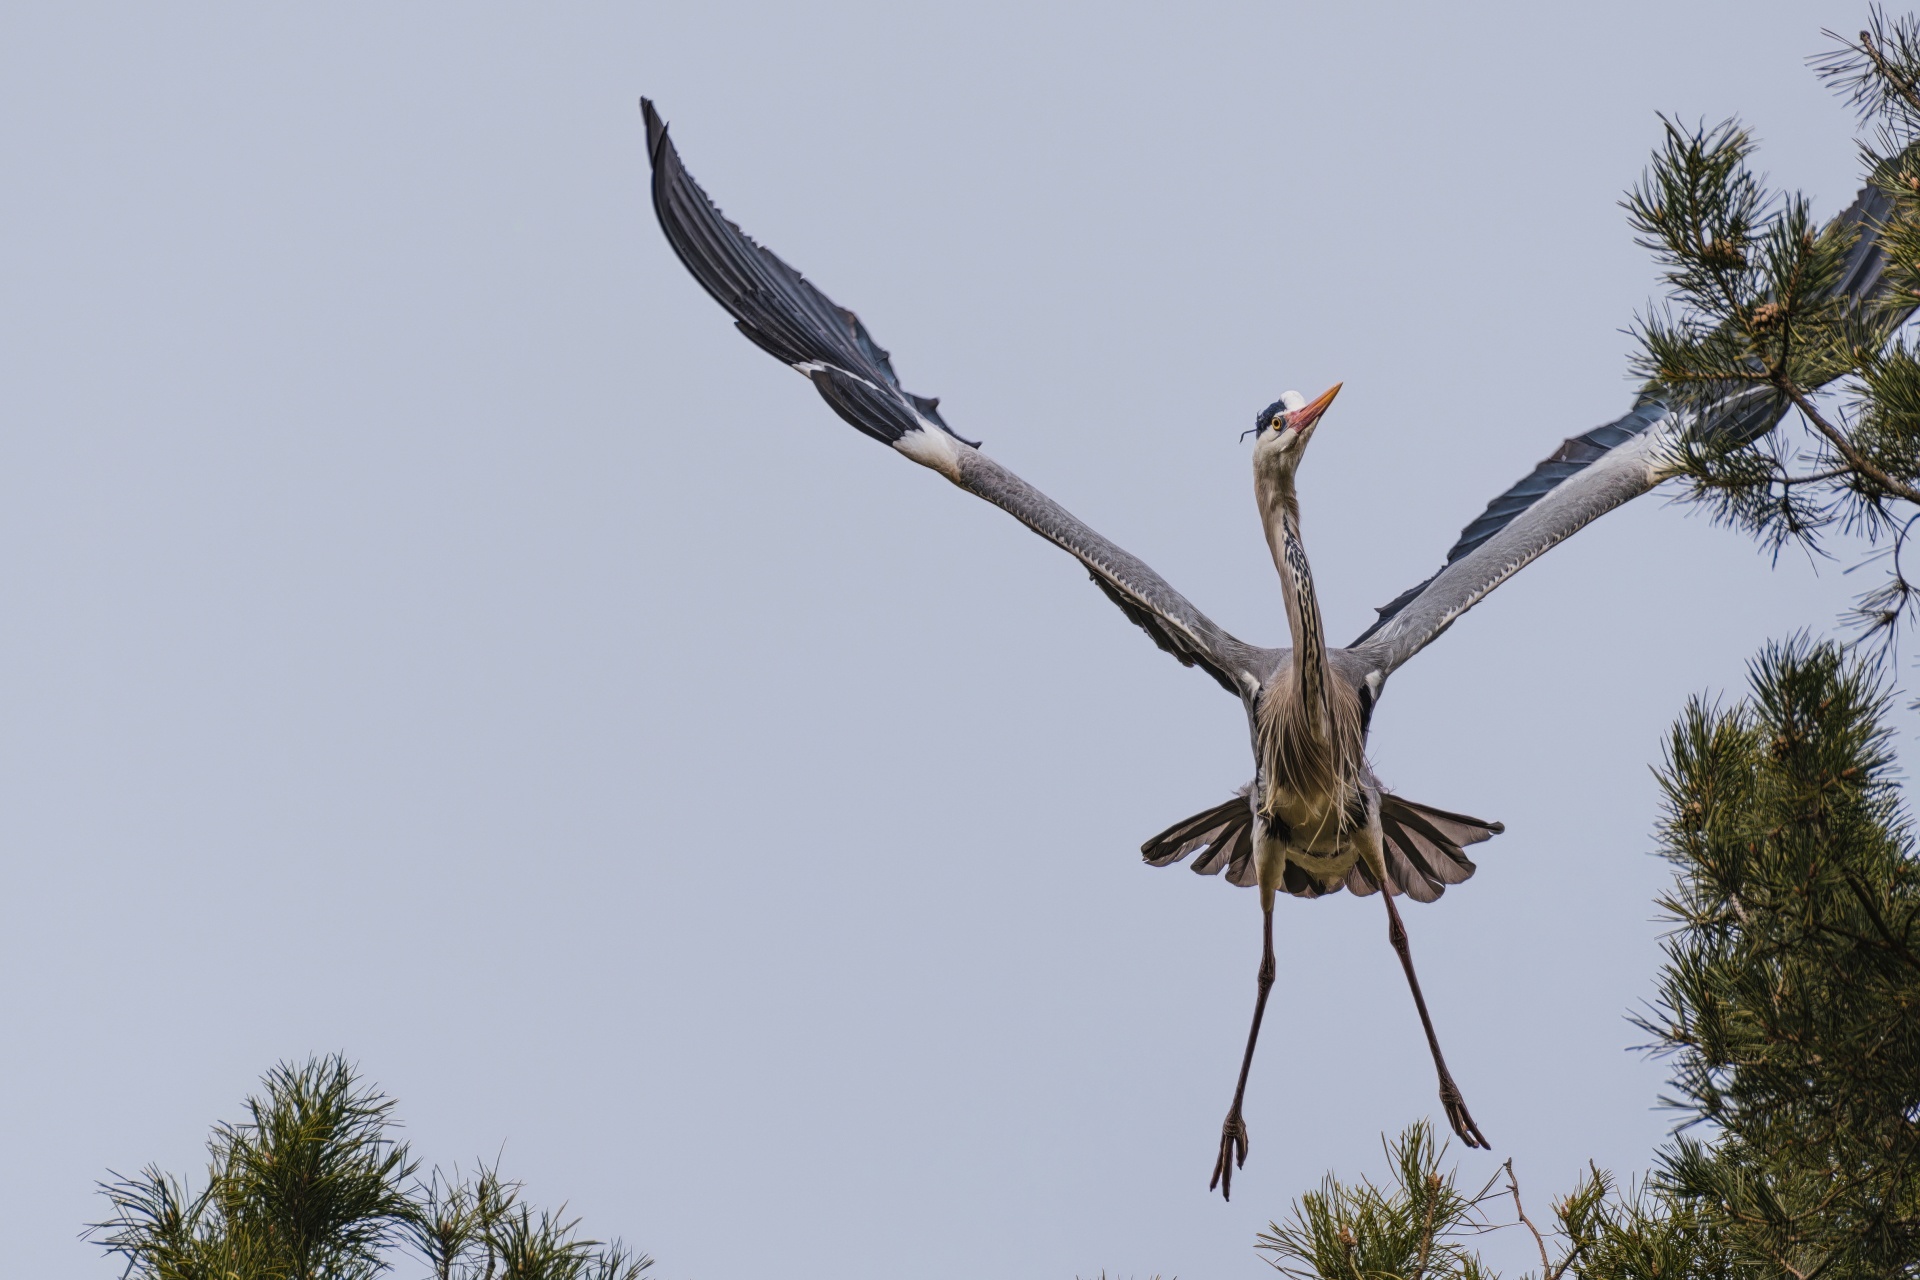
1899	947
1816	478
1855	460
1902	85
1547	1271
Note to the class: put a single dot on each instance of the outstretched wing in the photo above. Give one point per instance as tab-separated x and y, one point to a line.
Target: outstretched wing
1604	468
784	315
1586	477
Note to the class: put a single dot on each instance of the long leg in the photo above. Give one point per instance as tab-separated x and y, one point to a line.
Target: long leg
1233	1134
1456	1106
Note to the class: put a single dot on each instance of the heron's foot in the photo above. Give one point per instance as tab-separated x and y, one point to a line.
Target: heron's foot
1233	1153
1457	1116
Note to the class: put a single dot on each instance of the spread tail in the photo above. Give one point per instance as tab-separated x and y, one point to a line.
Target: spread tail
1422	847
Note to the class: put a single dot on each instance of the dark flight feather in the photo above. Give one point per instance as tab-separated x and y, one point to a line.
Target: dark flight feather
776	307
785	316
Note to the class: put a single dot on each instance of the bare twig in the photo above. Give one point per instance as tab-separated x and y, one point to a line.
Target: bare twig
1547	1271
1905	88
1815	478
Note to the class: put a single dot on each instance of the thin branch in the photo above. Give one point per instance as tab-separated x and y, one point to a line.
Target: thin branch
1546	1264
1833	1255
1905	88
1855	459
1788	1267
1879	924
1815	478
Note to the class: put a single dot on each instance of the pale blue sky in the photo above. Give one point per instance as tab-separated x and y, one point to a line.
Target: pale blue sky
428	630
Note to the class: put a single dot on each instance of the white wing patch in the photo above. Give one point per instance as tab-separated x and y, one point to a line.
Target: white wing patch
932	447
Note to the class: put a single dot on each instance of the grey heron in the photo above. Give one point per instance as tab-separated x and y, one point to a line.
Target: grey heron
1315	819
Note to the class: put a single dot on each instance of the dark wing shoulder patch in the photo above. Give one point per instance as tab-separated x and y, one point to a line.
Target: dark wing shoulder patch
1165	637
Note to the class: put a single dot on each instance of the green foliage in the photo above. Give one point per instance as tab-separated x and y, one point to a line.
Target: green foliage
1647	1236
1790	1000
1410	1230
1759	313
453	1219
1757	281
311	1187
308	1186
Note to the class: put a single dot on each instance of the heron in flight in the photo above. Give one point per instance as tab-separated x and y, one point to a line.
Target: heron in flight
1315	819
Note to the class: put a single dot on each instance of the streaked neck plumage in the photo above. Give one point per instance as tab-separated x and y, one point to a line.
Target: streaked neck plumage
1310	731
1280	512
1312	744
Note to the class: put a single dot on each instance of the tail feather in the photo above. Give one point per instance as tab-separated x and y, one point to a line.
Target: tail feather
1421	846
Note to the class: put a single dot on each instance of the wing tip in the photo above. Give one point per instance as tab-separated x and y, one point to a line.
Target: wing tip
732	268
656	129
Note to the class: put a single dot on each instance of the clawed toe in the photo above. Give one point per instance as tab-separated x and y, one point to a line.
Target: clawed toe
1233	1154
1457	1116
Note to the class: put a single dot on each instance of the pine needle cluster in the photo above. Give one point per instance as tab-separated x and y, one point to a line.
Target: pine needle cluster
1790	999
312	1186
1761	320
1415	1228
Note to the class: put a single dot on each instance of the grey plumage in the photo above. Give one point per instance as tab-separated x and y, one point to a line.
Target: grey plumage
1315	819
1590	474
1143	595
1738	420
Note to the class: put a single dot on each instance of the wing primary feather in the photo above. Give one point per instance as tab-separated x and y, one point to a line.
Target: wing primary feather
783	314
777	308
1431	839
1241	868
1457	827
1205	828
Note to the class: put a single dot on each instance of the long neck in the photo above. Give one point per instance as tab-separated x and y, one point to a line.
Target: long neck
1280	510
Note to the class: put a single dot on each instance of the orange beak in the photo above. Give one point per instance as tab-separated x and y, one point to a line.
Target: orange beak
1303	418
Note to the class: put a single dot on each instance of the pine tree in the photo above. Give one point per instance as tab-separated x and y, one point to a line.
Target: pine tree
311	1186
1790	998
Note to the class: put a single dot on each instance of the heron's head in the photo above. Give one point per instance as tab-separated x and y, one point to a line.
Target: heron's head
1283	428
